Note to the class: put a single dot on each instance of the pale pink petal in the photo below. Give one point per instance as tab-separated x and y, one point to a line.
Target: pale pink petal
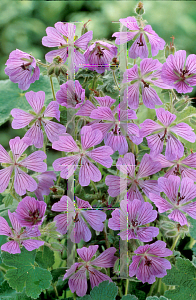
12	247
106	259
88	172
4	156
65	143
148	167
148	65
148	127
130	23
131	74
186	172
163	161
102	113
148	186
5	175
36	100
183	87
82	203
80	231
90	137
158	248
83	41
164	116
23	182
185	131
31	245
35	162
65	204
21	118
155	143
96	277
174	148
36	135
103	127
116	185
122	37
94	218
162	204
119	218
67	165
68	29
155	41
60	52
54	130
78	282
87	253
169	186
178	216
116	142
86	109
102	155
5	228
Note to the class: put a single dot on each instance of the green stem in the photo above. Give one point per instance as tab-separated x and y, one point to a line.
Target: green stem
14	196
127	286
115	80
159	286
93	184
40	63
106	237
175	242
173	94
55	290
52	87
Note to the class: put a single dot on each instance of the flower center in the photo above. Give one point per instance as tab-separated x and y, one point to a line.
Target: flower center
140	43
100	51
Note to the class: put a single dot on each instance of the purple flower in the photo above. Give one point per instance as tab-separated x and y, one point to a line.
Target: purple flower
77	214
71	94
30	212
45	182
99	55
179	167
115	124
21	68
177	202
139	47
131	218
174	148
179	75
78	281
63	36
88	171
40	116
15	164
149	262
18	236
149	74
132	181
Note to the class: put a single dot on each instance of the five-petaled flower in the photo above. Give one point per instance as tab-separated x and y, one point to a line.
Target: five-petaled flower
178	74
77	214
22	69
130	182
139	47
149	74
88	171
78	281
63	36
130	219
18	236
149	262
164	131
14	163
39	119
178	202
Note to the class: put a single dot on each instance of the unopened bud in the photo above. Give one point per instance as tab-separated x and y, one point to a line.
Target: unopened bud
140	9
114	63
167	52
63	70
51	70
84	28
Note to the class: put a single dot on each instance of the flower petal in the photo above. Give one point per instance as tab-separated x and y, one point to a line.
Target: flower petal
177	216
65	143
36	100
21	118
90	137
5	175
23	182
31	245
162	204
36	135
12	247
87	253
78	282
35	162
102	155
106	259
165	117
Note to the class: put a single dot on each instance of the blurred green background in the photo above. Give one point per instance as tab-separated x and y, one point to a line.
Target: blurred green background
23	24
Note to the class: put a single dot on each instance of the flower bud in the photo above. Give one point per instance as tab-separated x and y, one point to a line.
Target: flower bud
84	28
140	9
167	52
51	70
57	71
63	70
114	64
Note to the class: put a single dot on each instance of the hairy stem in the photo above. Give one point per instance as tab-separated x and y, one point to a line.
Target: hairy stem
175	242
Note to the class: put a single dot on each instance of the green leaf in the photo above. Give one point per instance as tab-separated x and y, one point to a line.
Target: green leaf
11	96
8	200
129	297
25	273
12	207
192	228
56	273
105	290
183	276
45	258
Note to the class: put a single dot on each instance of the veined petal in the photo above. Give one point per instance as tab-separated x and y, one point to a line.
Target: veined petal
14	221
53	38
123	37
155	143
148	65
131	74
148	127
88	172
190	209
35	162
31	245
139	51
164	116
177	216
52	110
106	259
187	190
5	228
131	95
86	109
94	218
12	247
65	204
148	167
96	277
170	186
23	182
87	253
21	118
127	164
102	155
155	41
54	131
54	53
102	113
65	143
82	42
36	100
4	156
18	146
116	185
185	131
174	148
78	282
150	97
5	175
146	234
190	160
146	214
36	135
90	137
80	231
105	101
162	204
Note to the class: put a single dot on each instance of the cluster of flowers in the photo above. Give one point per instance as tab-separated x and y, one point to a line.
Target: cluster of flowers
115	126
